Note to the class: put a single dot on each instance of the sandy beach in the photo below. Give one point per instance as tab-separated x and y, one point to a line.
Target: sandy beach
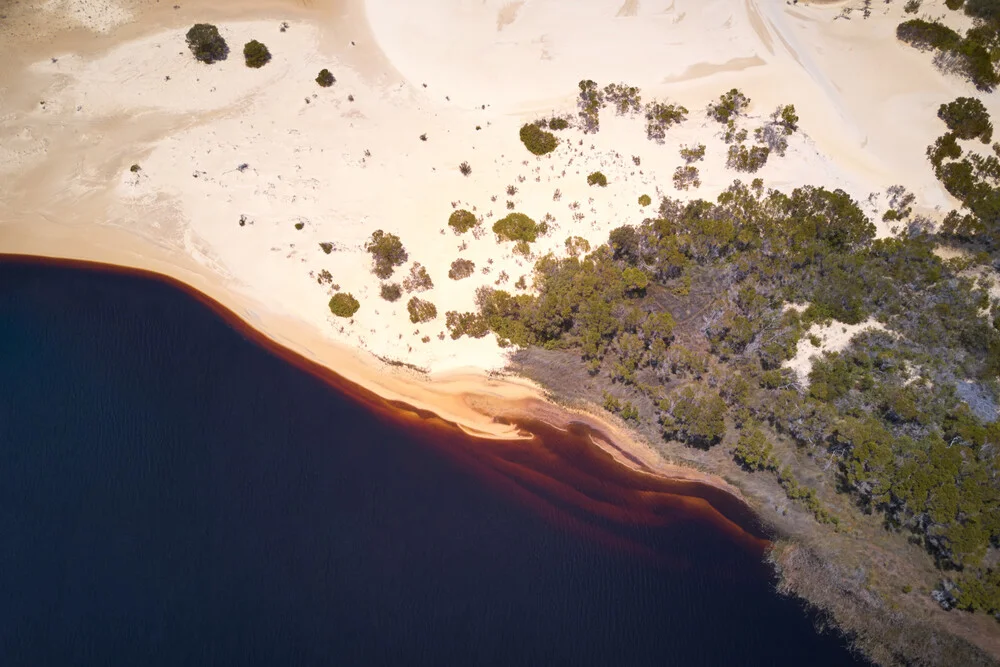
242	173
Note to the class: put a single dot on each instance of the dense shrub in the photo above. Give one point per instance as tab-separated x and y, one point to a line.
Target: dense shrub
695	417
926	35
465	169
256	54
391	291
746	159
625	99
590	103
577	245
518	227
206	43
660	117
465	324
754	451
420	310
462	221
730	105
325	78
537	140
967	118
686	177
461	268
387	252
692	153
597	178
326	247
645	200
344	305
558	123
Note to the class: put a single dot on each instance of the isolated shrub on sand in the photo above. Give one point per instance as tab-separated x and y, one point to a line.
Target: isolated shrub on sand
537	140
391	291
325	78
692	153
461	268
465	169
597	178
419	280
746	159
518	227
420	310
256	54
387	252
462	221
645	200
206	43
730	105
558	123
343	304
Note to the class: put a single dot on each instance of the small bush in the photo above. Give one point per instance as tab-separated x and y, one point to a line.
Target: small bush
590	103
344	304
326	247
462	221
420	310
206	43
626	99
325	78
597	178
465	169
749	160
391	291
461	268
911	6
558	124
518	227
300	226
660	117
730	105
419	280
256	54
645	200
537	140
387	252
692	154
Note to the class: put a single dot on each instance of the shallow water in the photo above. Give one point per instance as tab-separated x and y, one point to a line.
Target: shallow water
172	492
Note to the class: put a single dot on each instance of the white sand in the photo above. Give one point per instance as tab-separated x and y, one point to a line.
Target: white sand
833	337
344	169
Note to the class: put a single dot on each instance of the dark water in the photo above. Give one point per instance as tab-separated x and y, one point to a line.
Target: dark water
172	493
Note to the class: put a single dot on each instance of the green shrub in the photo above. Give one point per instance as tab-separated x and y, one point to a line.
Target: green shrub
256	54
754	451
625	99
597	178
387	252
420	310
692	154
326	247
749	160
660	117
135	169
518	227
325	78
462	221
577	245
926	35
967	118
537	140
730	105
461	268
472	325
206	43
686	177
558	124
344	305
590	103
300	226
645	200
391	291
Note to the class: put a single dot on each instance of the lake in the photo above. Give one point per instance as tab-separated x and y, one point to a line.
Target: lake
175	492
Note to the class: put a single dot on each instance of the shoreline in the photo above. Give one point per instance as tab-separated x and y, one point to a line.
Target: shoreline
483	408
